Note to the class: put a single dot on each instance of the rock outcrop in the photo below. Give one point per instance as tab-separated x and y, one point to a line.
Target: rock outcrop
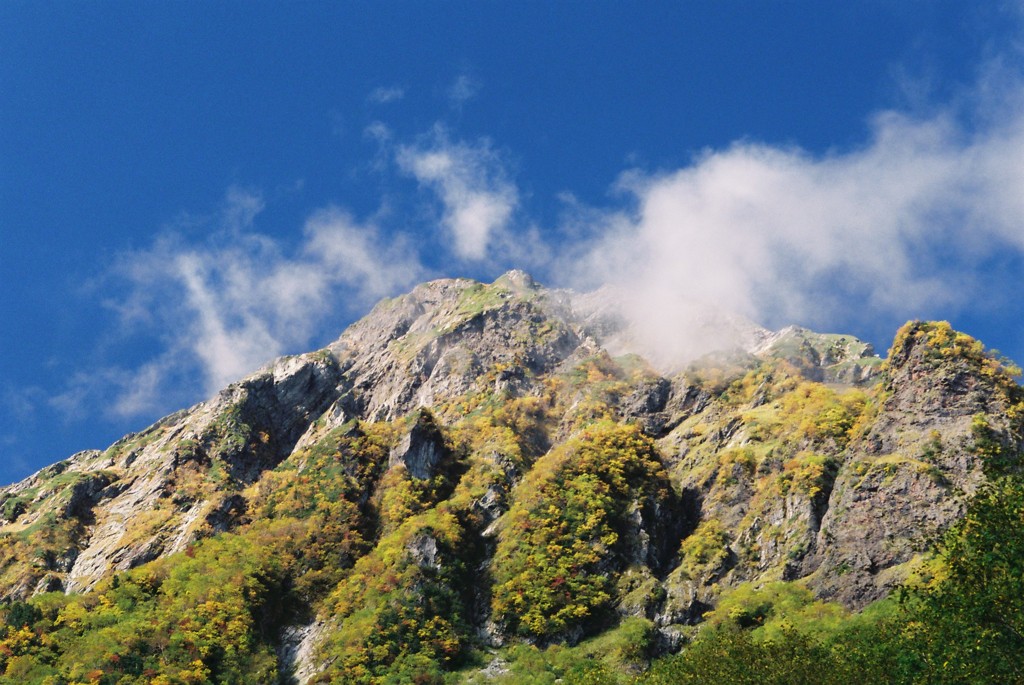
801	456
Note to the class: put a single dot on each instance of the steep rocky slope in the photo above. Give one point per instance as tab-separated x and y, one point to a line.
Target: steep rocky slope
468	466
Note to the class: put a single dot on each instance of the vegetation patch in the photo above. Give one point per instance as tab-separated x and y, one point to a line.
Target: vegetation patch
557	558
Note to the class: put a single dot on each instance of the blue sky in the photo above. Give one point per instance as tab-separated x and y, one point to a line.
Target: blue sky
189	189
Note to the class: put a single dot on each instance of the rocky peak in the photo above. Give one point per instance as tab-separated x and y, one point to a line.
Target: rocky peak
827	358
518	281
426	454
910	471
443	338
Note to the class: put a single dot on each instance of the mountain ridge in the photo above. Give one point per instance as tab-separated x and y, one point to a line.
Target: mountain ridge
463	438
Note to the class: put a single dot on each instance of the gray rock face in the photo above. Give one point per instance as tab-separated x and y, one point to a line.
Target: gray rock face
874	505
907	478
154	492
296	650
422	449
826	358
151	493
424	552
439	340
845	514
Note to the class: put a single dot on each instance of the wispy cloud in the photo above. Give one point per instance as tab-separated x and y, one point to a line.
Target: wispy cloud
124	392
471	182
226	303
385	95
21	403
232	302
462	90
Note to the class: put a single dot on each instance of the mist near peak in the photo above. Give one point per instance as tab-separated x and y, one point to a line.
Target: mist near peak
627	321
902	227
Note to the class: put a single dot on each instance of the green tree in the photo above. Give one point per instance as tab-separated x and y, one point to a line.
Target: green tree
969	626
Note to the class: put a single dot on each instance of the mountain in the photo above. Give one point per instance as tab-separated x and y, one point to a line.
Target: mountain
474	469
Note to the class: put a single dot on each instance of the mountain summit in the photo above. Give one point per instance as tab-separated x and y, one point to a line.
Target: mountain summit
475	466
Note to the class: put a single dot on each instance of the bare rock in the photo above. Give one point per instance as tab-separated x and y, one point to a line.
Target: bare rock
295	652
424	551
422	449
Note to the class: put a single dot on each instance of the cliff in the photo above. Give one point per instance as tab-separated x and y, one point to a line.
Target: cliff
469	467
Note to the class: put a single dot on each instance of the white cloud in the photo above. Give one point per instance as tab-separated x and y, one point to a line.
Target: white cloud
471	183
377	131
121	392
462	90
386	94
21	403
240	208
233	302
224	304
356	256
140	391
899	228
